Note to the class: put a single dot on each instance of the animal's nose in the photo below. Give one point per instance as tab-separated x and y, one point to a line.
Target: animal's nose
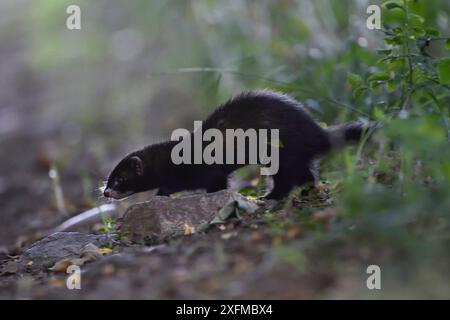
107	193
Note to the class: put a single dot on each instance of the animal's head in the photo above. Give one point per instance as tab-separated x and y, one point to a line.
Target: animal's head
126	178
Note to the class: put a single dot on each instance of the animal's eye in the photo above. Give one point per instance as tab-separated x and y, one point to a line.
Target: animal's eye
121	180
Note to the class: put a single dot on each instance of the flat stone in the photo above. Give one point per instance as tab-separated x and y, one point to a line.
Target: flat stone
46	252
163	217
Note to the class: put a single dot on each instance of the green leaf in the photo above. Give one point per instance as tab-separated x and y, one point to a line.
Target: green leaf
418	31
384	51
395	64
433	32
391	86
447	44
415	20
380	76
358	92
375	84
248	191
354	79
394	17
444	71
391	5
378	113
398	31
396	40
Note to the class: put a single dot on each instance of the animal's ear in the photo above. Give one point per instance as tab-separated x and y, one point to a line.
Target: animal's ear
137	165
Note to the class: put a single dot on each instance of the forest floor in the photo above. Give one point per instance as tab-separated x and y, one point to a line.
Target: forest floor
271	254
307	247
302	249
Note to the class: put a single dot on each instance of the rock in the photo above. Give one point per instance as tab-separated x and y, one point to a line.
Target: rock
164	217
46	252
9	267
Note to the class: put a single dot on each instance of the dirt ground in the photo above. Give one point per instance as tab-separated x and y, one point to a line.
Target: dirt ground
240	259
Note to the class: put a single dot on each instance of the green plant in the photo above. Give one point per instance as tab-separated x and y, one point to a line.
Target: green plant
109	224
413	73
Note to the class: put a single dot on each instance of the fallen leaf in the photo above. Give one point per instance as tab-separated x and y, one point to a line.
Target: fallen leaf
29	263
57	282
248	206
277	240
293	231
225	213
325	215
233	208
61	265
255	236
105	251
188	230
229	235
78	261
108	269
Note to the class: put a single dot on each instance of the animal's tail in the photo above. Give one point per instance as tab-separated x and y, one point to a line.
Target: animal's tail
341	135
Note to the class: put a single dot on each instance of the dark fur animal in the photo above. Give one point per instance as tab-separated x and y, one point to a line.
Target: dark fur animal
303	140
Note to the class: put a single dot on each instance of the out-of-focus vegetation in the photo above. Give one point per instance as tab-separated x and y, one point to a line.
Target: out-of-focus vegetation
78	100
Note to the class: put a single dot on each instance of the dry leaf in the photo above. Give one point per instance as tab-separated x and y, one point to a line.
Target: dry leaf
78	261
227	236
61	265
90	252
325	215
105	251
293	231
277	240
57	282
29	263
188	229
108	269
225	213
255	236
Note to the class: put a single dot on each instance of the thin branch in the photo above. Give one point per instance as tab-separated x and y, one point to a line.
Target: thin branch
407	99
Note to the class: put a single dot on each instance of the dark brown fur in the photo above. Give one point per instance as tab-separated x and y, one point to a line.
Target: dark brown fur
303	140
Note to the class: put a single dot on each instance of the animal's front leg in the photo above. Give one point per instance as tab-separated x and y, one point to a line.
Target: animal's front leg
217	185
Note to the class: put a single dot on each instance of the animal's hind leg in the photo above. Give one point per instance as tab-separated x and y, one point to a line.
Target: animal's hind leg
283	181
307	174
307	178
219	183
288	177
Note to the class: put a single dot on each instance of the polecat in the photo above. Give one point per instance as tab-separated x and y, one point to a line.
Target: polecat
302	140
